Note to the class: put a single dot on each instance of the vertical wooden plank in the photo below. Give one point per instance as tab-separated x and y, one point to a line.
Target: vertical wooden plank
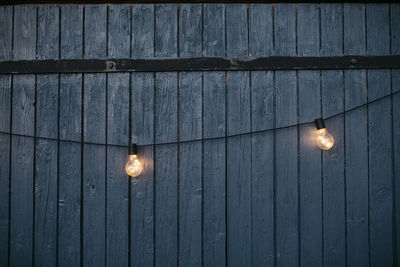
24	46
6	31
4	197
48	34
395	43
142	101
23	115
214	29
238	148
331	29
5	102
95	31
119	30
117	237
142	31
396	160
214	151
69	205
47	106
94	203
261	30
190	128
21	224
71	31
285	29
118	109
308	39
45	231
166	30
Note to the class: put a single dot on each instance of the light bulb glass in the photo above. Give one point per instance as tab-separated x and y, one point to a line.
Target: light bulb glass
325	141
133	167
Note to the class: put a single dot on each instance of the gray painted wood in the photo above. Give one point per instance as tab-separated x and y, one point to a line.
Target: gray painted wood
142	212
285	29
4	197
95	31
308	27
46	183
261	30
332	92
380	183
262	100
119	30
378	29
331	29
117	235
285	98
71	31
142	31
70	107
5	102
94	205
94	113
69	204
236	30
118	109
47	106
24	45
21	205
190	29
396	160
48	32
23	115
166	30
6	20
214	30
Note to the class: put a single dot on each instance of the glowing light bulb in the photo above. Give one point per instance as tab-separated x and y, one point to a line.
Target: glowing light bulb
325	141
133	167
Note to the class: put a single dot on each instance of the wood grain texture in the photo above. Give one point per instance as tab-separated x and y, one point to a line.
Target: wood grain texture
214	30
71	107
261	30
142	212
378	29
21	210
95	27
94	113
142	31
24	42
238	102
4	197
117	236
285	98
94	206
285	29
23	104
118	109
214	104
69	204
166	30
47	106
48	34
380	183
5	102
396	160
308	27
119	31
190	29
6	21
71	31
46	183
236	30
331	29
262	100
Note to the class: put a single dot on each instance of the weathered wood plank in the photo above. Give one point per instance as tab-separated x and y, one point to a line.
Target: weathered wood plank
331	29
261	30
21	216
166	30
380	183
94	114
47	106
142	31
285	29
262	199
118	109
69	205
357	187
23	115
4	197
142	212
94	205
48	34
332	92
5	102
117	237
95	31
45	231
24	42
285	98
310	181
262	100
71	31
395	49
214	29
396	160
71	107
308	27
119	30
190	28
236	30
6	22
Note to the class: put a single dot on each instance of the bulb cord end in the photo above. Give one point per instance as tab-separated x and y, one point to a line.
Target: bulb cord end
132	149
320	123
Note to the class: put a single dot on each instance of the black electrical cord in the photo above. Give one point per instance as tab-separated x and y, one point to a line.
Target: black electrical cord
210	138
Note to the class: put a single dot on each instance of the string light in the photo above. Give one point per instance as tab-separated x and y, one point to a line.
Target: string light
133	167
325	141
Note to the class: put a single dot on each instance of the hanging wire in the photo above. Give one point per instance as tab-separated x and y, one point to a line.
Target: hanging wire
208	138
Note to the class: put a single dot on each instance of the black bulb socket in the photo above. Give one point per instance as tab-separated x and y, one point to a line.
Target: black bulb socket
320	123
132	149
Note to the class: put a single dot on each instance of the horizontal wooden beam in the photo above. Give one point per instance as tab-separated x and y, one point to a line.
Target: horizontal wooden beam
198	64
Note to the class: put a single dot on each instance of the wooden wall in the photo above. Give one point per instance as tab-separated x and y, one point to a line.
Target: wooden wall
263	199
